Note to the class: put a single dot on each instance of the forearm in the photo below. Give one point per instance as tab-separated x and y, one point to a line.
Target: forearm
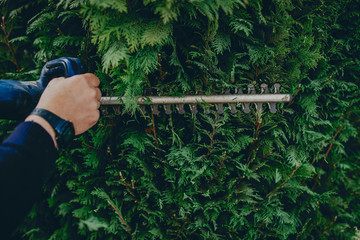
27	157
44	124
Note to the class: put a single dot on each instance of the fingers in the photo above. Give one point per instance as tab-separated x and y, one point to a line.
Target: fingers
92	79
98	94
76	99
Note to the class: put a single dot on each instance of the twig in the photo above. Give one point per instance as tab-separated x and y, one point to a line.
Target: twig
162	76
292	99
61	33
3	26
266	155
261	224
322	146
219	168
330	224
313	161
283	183
222	162
317	179
92	147
87	45
258	124
212	137
256	73
154	130
122	219
128	187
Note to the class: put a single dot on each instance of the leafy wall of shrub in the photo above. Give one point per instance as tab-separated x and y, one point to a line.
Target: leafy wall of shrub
289	175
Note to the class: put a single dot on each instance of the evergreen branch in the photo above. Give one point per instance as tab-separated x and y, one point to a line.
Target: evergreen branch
3	26
128	229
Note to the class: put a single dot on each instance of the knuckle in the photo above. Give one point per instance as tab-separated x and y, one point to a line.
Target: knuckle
99	92
93	93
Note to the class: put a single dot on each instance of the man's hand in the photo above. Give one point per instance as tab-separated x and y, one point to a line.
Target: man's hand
75	99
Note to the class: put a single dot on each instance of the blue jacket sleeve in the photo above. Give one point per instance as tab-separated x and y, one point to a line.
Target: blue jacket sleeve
27	157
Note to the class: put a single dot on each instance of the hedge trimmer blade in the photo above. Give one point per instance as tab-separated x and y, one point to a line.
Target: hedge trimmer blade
264	97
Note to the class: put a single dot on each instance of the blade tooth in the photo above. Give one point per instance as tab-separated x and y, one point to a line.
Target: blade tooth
276	88
180	108
272	107
251	89
239	91
264	88
259	107
193	108
143	109
232	105
220	108
246	106
167	108
117	110
155	109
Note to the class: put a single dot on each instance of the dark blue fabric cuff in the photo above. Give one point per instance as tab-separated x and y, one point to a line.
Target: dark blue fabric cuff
33	138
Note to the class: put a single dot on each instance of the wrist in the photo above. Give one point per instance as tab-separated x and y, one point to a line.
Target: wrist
44	124
64	130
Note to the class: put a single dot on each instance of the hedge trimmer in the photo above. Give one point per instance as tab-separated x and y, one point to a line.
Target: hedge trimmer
19	98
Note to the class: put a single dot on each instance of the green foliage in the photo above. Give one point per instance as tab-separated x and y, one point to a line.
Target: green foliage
289	175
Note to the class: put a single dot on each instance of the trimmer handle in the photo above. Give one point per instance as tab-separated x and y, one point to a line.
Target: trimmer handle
19	98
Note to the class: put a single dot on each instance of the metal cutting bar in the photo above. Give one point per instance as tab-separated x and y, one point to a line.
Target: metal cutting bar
212	99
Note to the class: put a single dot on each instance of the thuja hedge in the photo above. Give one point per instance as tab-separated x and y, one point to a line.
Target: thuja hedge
289	175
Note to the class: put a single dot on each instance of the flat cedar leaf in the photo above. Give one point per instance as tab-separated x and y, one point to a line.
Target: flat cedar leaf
145	60
242	25
118	5
93	224
168	11
156	33
114	55
221	43
278	176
